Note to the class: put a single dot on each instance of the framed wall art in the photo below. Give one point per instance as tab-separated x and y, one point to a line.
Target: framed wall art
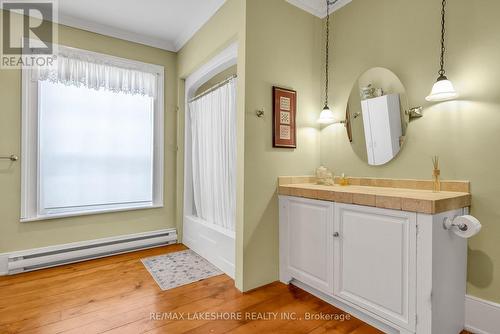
284	112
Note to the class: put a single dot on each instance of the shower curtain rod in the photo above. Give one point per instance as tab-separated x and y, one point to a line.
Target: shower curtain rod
211	89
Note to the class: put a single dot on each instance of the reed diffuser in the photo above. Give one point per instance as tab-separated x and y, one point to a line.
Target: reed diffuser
436	183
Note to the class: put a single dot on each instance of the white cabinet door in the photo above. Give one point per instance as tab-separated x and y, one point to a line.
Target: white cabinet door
375	261
308	226
382	125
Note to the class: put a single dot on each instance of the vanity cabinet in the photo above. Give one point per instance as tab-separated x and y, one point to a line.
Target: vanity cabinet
308	236
375	261
396	270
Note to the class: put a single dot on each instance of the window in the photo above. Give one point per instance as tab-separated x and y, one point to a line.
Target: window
91	144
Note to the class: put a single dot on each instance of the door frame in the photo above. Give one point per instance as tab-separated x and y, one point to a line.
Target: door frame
220	248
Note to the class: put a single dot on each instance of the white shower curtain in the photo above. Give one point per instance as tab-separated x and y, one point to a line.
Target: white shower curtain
213	131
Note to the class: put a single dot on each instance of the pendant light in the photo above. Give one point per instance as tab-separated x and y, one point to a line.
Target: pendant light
326	116
443	89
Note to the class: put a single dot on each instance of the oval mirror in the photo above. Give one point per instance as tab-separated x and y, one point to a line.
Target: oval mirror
376	120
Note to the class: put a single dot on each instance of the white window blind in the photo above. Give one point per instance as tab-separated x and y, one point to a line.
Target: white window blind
90	148
95	148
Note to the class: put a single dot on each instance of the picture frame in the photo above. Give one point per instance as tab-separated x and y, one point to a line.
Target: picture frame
284	117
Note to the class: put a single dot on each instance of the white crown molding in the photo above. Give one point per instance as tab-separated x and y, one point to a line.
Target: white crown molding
164	44
106	30
315	7
308	7
189	31
318	7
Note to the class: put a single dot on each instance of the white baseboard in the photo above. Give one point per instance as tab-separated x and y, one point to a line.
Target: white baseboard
4	269
481	316
51	256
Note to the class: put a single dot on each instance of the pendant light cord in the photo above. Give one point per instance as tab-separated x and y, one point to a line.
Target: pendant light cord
327	49
443	89
443	31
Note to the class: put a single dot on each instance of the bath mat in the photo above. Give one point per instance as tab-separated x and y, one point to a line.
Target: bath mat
179	268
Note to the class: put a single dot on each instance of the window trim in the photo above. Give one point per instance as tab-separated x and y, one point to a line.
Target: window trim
30	208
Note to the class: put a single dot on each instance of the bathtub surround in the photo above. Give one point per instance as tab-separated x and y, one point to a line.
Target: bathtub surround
201	233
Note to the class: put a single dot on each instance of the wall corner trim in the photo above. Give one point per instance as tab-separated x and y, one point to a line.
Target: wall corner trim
481	316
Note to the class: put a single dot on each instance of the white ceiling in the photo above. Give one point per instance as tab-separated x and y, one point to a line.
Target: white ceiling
318	7
166	24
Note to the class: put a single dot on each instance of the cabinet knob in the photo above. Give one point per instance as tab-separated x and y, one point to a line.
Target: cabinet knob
336	234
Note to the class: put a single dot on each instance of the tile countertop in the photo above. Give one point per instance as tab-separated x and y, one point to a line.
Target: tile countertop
397	198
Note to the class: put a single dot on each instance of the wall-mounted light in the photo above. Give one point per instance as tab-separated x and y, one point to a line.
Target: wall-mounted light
326	116
415	112
443	89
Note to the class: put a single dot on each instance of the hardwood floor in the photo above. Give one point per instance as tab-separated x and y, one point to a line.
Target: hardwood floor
117	295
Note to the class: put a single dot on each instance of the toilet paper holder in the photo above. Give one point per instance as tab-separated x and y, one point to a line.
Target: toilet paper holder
449	224
465	226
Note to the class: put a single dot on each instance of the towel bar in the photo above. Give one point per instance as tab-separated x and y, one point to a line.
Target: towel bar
11	157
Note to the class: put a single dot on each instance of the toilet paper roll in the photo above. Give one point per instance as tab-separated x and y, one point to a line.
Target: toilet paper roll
473	226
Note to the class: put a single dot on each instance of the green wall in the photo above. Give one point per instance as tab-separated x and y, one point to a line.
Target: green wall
17	236
284	47
403	35
227	26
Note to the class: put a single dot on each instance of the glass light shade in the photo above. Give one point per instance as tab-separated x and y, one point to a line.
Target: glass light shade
326	116
442	90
